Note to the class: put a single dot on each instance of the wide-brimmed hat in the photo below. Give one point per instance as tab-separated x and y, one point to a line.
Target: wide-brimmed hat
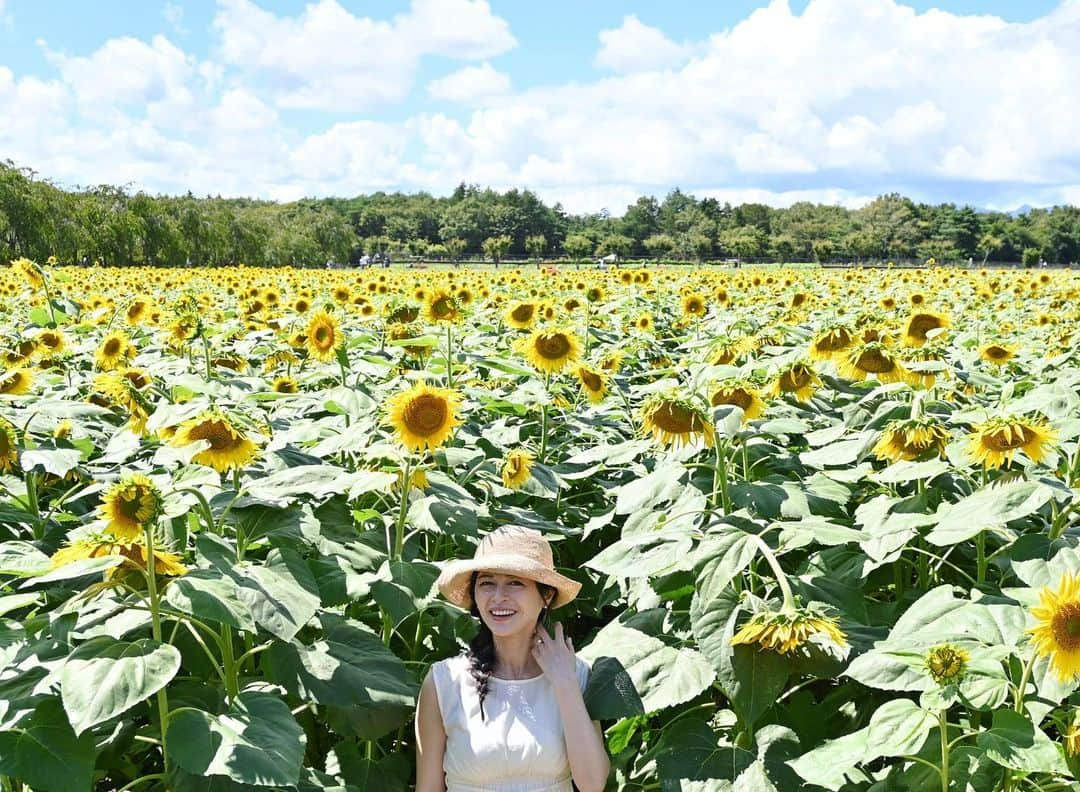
511	550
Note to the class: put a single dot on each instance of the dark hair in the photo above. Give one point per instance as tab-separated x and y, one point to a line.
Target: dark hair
481	651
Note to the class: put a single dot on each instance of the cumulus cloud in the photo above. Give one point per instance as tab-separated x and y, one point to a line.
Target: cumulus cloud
470	84
840	102
635	46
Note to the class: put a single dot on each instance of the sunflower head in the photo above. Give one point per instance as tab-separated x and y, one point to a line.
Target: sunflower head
946	663
423	416
285	385
994	442
230	448
911	438
673	420
997	354
114	351
9	448
1056	633
551	351
830	342
594	384
521	315
442	306
644	323
131	505
694	305
922	322
29	271
799	379
739	393
872	360
517	468
16	381
323	336
786	632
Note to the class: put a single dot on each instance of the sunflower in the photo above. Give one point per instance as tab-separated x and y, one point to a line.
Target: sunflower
517	468
229	447
593	383
740	394
644	323
830	343
1056	634
786	632
993	443
674	421
551	351
521	315
130	505
423	416
799	379
726	350
911	438
113	351
998	354
9	448
921	323
612	360
137	310
51	343
947	663
285	385
871	360
29	271
1072	736
134	553
595	294
442	306
693	304
323	336
16	381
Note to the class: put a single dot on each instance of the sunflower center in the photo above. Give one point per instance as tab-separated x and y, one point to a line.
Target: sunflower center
553	347
737	397
13	380
218	433
997	352
523	312
873	361
921	324
112	347
795	378
676	419
426	414
1004	440
1066	626
591	380
443	307
323	335
137	378
50	340
834	340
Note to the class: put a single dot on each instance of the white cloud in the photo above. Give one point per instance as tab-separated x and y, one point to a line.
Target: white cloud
470	84
635	46
329	59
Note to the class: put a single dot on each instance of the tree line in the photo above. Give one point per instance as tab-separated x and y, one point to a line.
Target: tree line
114	225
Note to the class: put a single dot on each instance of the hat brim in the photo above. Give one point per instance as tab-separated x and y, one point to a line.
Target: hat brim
453	581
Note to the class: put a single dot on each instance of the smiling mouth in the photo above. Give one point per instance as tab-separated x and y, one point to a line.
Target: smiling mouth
502	614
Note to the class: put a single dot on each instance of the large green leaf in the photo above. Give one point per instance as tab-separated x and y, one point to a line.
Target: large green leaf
986	509
689	749
642	555
634	673
257	741
210	595
103	678
404	588
22	559
899	727
1014	742
45	753
753	681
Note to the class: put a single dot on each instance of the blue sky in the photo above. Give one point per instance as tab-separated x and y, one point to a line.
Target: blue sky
589	102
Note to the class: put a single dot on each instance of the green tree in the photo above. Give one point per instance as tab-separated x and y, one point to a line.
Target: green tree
578	246
660	245
456	248
496	247
535	245
615	243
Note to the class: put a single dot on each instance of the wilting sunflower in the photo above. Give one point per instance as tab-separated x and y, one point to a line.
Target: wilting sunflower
16	381
51	343
998	354
517	468
113	351
673	420
551	351
594	384
9	448
871	360
740	394
130	505
995	442
285	385
323	336
521	315
694	305
726	350
830	343
29	271
911	438
442	306
921	323
229	447
799	379
423	416
1056	634
134	553
785	632
947	663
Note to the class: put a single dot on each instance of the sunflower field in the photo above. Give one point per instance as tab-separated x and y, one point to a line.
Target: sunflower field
826	522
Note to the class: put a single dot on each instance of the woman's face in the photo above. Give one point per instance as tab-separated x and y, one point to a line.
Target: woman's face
519	598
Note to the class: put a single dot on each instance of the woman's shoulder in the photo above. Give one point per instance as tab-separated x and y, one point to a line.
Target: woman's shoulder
451	666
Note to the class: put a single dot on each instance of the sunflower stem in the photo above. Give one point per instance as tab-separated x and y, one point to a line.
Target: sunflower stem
543	418
449	356
228	660
720	477
1018	697
788	606
980	557
155	627
943	727
399	527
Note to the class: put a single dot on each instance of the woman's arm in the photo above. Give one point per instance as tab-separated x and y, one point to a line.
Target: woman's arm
589	762
430	739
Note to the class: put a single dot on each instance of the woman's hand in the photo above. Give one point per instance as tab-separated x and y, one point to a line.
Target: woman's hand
555	655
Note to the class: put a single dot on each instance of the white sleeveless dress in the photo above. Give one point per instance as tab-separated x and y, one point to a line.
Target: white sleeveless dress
520	747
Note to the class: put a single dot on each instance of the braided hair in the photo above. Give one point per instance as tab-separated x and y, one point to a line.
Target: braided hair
481	651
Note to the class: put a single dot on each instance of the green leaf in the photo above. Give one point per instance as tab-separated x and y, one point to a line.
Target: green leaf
689	749
642	555
753	681
404	588
103	677
985	509
76	569
727	555
22	559
46	754
1014	742
58	461
257	741
833	764
210	595
634	673
898	728
12	602
281	592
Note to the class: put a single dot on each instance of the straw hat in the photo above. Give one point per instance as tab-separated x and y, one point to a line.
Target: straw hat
512	550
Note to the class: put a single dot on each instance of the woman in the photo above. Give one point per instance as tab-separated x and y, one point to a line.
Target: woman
508	716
